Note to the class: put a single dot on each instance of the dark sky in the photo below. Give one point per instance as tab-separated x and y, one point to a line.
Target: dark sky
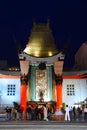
68	21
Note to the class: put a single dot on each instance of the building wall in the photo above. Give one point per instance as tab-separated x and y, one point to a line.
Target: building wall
80	89
9	91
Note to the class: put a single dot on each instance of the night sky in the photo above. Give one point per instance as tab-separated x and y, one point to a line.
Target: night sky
68	21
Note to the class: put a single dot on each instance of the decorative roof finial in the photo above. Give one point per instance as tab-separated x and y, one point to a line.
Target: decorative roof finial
34	21
48	21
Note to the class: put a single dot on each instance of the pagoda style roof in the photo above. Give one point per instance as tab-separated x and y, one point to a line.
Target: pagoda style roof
41	42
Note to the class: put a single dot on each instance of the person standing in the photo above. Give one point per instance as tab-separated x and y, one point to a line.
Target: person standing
74	113
85	113
29	112
67	114
7	110
9	113
41	112
45	113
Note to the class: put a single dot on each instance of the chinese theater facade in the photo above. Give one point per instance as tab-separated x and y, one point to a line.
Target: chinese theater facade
41	68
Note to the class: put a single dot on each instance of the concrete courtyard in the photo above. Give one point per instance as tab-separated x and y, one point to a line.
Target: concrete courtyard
42	125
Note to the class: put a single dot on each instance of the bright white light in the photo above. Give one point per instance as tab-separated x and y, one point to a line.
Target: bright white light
50	53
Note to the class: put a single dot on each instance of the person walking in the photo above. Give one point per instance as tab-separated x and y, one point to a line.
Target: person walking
67	114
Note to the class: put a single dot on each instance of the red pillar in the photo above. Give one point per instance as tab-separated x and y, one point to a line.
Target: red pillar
23	99
23	96
24	66
58	66
58	96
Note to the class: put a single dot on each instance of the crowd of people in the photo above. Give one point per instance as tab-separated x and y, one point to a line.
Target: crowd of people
75	113
42	112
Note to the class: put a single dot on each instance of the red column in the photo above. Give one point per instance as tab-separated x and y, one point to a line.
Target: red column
58	96
23	96
24	66
23	99
58	66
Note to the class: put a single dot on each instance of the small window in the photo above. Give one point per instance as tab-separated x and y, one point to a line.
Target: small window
70	89
11	89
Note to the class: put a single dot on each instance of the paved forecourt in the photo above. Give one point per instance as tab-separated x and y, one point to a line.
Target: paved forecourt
42	125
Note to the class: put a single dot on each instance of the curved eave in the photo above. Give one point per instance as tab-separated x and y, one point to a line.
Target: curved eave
82	76
41	56
49	60
9	76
